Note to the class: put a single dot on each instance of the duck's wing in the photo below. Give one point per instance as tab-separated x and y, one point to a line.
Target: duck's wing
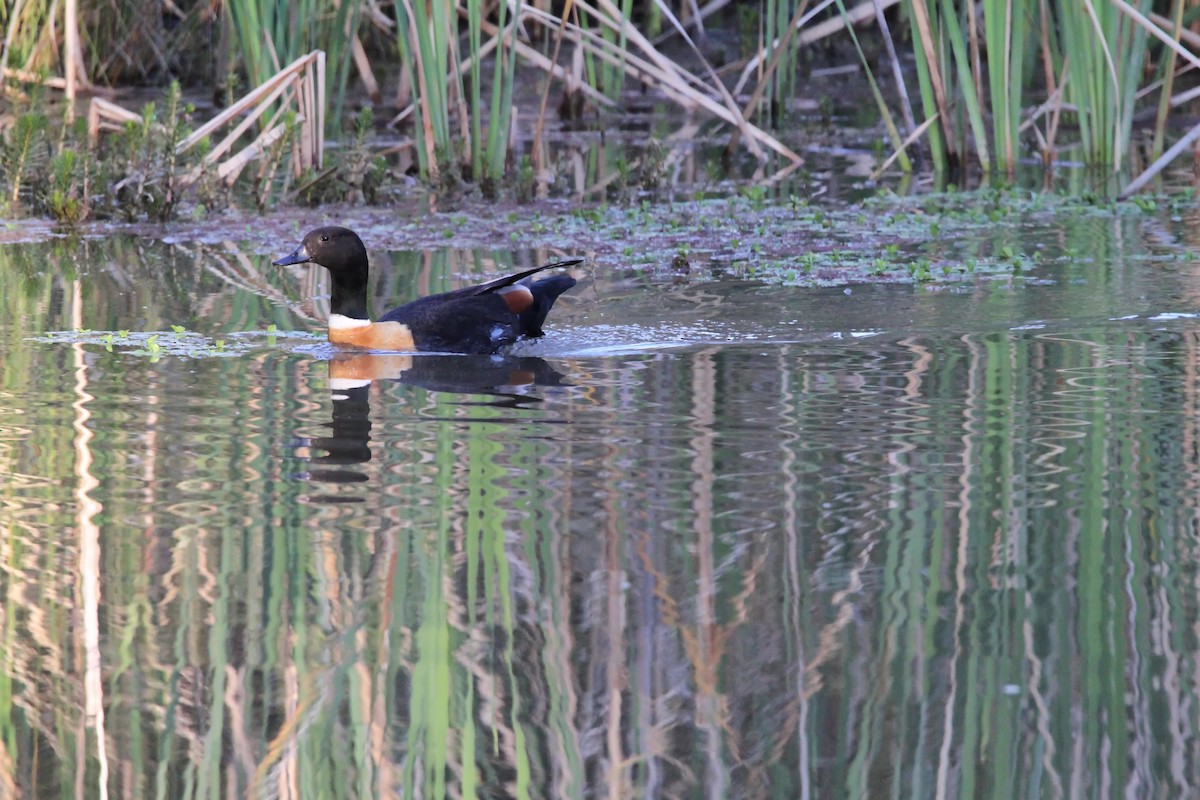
492	287
486	317
458	324
517	277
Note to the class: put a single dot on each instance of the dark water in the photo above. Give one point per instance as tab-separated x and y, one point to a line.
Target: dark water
709	539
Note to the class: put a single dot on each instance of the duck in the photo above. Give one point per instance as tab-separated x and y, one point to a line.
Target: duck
483	319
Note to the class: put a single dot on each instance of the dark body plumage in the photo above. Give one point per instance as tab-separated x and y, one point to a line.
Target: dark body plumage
477	319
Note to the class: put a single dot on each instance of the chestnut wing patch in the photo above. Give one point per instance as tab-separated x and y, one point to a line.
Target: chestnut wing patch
517	297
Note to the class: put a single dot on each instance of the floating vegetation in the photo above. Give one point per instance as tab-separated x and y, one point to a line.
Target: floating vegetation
177	342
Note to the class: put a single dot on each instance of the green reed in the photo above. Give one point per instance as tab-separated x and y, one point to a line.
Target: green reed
1005	33
1106	51
271	34
425	40
780	82
981	68
1093	51
502	88
948	78
430	51
475	42
21	26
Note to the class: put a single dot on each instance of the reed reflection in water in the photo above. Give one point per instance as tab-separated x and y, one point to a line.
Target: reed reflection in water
933	566
914	564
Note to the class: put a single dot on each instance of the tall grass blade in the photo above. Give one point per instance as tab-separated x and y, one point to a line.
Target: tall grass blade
781	46
502	85
474	42
884	112
966	85
1004	31
1168	80
270	34
933	93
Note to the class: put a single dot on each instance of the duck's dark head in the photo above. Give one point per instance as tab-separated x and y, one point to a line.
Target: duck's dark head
338	250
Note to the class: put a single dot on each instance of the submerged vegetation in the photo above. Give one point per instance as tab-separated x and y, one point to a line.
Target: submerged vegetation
981	85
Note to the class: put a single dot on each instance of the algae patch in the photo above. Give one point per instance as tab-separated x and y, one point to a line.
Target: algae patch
176	342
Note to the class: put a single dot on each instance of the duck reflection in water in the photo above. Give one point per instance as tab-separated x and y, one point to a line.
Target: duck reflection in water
499	381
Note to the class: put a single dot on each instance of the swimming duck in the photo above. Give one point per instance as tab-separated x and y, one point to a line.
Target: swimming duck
478	319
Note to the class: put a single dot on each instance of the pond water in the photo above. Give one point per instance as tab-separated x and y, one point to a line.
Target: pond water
709	538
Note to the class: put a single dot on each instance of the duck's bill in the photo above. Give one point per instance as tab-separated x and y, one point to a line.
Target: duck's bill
299	256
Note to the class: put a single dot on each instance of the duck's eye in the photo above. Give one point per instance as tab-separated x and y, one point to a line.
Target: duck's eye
324	237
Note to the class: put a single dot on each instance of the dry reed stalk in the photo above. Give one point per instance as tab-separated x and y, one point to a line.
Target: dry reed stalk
1185	35
739	118
860	13
365	73
634	66
14	14
428	143
103	115
74	70
897	71
25	76
1138	183
1150	26
973	28
540	126
674	82
1054	106
459	70
301	84
534	57
74	75
921	15
912	137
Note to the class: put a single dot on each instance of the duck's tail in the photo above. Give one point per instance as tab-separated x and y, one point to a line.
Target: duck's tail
544	292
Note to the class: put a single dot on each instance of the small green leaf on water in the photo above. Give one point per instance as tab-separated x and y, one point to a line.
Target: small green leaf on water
152	344
272	329
220	343
122	334
178	328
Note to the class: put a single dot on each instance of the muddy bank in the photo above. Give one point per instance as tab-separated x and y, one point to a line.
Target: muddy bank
942	237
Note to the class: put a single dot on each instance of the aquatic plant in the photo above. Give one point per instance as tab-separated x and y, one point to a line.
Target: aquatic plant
17	146
68	200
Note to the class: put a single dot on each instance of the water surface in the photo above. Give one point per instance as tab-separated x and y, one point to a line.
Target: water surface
710	538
